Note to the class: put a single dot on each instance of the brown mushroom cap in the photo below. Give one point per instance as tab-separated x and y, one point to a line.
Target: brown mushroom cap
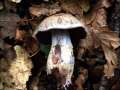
59	21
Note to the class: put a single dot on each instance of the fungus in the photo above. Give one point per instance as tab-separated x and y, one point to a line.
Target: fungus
61	53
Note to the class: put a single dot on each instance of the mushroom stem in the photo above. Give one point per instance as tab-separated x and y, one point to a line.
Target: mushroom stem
61	54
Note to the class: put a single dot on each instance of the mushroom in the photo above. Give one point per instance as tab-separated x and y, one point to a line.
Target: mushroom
61	53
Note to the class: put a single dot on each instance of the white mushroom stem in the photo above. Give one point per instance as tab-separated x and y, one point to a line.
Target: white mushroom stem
65	62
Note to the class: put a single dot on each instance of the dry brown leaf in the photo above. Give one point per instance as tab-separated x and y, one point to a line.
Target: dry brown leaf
108	41
91	41
112	61
109	70
97	37
72	6
115	44
38	10
110	55
109	38
109	35
90	17
100	18
106	3
97	16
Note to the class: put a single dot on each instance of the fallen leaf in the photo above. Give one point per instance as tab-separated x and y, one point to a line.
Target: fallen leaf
72	6
110	55
105	39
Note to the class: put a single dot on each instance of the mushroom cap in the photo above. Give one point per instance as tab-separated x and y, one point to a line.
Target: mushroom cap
60	21
16	1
